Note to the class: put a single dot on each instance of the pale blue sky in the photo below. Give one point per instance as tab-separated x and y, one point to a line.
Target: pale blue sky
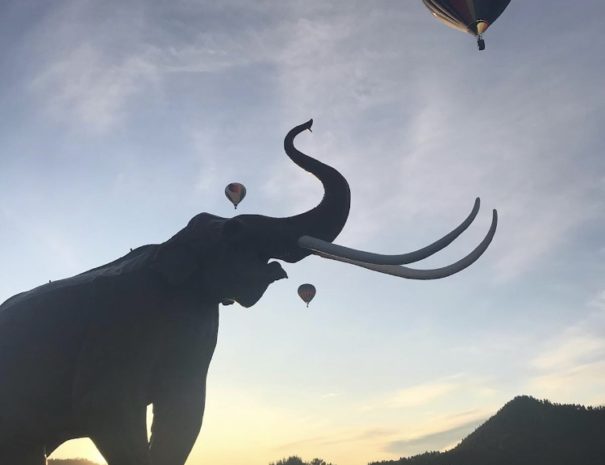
121	120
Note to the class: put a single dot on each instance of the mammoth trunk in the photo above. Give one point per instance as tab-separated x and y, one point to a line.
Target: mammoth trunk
328	218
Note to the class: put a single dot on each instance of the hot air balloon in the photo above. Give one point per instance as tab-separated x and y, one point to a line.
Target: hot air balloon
235	192
472	16
306	292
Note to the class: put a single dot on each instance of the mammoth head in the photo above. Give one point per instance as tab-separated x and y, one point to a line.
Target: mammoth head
231	256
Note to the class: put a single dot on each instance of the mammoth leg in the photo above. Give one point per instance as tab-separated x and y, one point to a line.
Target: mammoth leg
121	437
109	404
177	420
23	455
180	392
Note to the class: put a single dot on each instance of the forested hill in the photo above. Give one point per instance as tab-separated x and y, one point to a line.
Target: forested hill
527	431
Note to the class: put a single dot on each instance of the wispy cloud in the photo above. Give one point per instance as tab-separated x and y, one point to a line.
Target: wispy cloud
330	395
570	351
340	437
422	394
571	368
92	88
433	392
436	433
91	84
598	301
433	441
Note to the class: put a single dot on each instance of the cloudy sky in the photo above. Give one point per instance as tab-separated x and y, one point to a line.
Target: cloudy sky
121	120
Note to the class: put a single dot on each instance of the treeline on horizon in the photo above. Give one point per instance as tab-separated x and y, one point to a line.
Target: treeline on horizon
70	462
293	460
296	460
526	431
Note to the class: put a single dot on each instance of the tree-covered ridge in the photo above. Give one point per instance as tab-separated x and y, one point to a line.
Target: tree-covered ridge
527	431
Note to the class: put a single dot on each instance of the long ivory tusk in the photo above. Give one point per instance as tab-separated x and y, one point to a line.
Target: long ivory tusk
409	273
321	247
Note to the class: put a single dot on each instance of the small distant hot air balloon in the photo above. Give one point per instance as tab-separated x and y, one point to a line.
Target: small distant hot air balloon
235	192
472	16
306	292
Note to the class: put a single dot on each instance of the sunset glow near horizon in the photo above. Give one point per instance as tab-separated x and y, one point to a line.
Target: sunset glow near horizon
122	120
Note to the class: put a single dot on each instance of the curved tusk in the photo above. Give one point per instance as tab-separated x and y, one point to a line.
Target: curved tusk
320	247
409	273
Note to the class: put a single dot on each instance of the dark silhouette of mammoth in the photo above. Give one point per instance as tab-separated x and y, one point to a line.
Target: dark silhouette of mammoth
84	356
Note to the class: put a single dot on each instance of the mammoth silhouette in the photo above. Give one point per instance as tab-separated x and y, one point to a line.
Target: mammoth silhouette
85	356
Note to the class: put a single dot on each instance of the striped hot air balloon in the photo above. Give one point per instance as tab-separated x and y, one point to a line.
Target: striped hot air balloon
235	192
472	16
306	292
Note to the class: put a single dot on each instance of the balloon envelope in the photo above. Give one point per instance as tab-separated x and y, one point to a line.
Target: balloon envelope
472	16
235	192
306	292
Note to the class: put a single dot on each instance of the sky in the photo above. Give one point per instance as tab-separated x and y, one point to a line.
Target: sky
119	121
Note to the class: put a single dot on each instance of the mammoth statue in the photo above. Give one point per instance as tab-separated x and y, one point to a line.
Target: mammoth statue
85	356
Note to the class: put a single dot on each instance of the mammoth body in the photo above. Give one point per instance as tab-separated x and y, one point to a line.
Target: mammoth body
85	356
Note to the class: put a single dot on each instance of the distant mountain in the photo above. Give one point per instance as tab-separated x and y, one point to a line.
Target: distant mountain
527	431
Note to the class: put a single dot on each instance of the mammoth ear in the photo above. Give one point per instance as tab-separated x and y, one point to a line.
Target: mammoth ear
174	262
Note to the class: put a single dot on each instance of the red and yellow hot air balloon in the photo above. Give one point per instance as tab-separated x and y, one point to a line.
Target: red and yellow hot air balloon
306	292
472	16
235	192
